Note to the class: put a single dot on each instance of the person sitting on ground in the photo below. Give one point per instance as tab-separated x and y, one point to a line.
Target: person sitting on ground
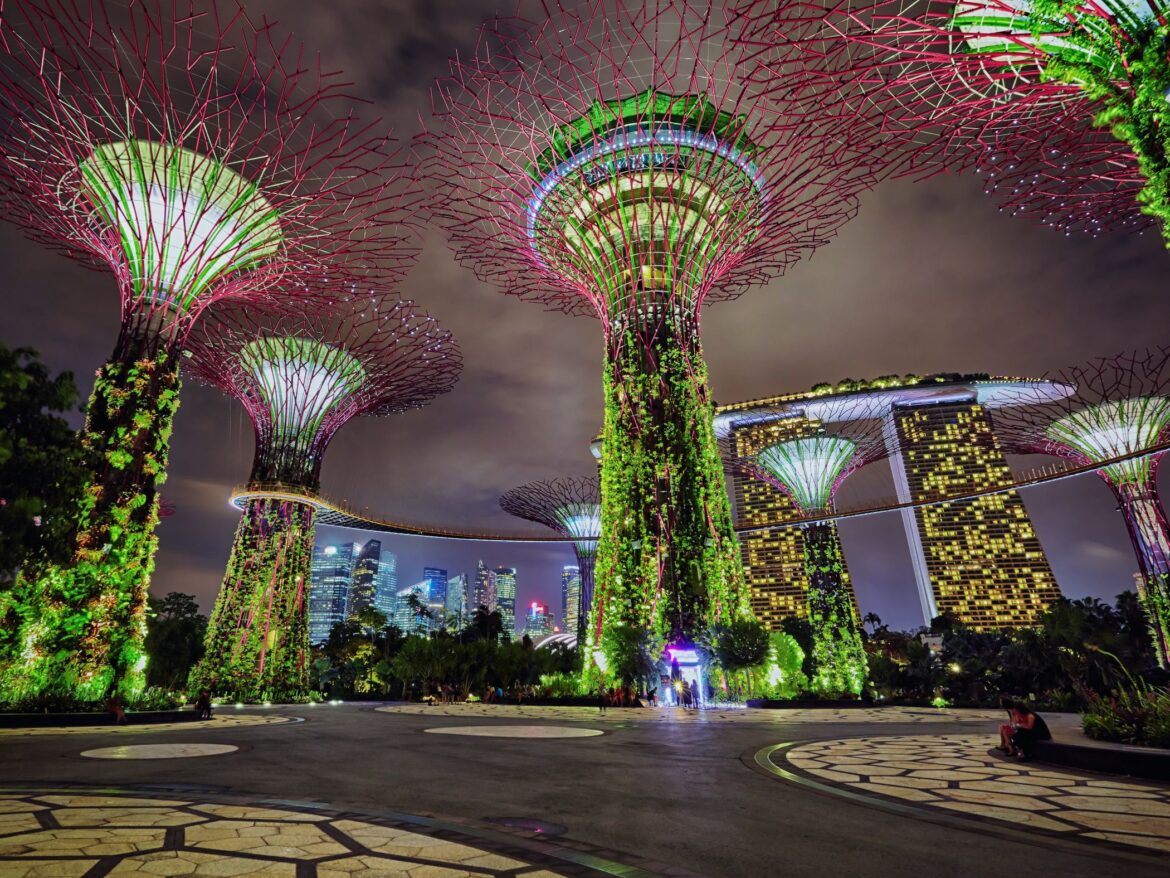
1009	728
1030	729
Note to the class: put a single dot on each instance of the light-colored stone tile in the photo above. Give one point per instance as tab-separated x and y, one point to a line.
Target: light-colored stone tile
1116	805
247	812
124	817
1144	841
46	869
908	793
1016	818
1137	824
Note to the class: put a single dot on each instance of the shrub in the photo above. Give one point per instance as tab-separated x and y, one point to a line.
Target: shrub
1130	715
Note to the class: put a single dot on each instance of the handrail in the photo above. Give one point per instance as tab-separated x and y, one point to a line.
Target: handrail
337	513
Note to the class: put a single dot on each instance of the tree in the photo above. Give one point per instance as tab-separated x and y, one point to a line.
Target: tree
741	646
485	625
40	463
632	653
873	620
174	639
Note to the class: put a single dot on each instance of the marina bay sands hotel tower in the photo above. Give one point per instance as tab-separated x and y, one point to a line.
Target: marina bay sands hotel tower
978	560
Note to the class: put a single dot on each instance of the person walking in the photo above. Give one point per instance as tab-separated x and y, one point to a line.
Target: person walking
602	698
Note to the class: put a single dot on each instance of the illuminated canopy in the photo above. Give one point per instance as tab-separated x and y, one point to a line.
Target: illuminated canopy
809	470
301	380
1012	31
582	522
638	196
184	221
1112	429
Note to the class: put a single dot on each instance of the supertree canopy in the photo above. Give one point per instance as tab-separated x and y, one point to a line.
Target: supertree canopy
616	159
572	507
200	157
301	376
809	460
1061	103
1118	416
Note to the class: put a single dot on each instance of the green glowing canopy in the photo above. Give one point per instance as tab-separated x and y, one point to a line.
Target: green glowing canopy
1005	29
809	468
1113	429
184	220
693	112
301	380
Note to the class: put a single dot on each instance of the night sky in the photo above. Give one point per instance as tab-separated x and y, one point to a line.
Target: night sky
928	278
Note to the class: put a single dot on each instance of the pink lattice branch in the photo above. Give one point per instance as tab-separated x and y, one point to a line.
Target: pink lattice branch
198	153
302	375
549	112
950	86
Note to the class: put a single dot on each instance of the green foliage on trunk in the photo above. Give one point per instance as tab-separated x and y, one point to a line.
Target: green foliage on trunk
257	644
668	560
1132	92
839	663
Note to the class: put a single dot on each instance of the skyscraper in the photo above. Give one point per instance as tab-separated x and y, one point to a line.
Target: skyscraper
978	560
505	578
457	604
570	597
485	588
406	612
329	588
435	595
539	620
386	588
364	581
773	559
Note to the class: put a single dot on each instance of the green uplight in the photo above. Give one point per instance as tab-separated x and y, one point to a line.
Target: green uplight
184	220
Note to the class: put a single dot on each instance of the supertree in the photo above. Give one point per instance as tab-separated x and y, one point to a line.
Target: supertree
572	507
1060	103
301	376
614	159
808	458
200	156
1120	409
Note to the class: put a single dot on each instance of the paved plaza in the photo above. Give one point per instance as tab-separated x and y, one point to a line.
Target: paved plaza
466	790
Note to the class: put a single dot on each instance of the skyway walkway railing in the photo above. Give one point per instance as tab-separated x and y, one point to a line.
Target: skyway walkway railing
339	513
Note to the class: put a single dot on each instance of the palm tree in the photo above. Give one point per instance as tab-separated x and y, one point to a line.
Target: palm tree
872	619
486	624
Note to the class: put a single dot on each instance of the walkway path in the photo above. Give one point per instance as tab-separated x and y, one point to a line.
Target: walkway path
220	721
956	773
714	714
65	833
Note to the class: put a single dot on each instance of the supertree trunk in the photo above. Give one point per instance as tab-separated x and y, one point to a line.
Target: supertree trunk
839	663
586	565
257	642
1150	534
668	559
82	625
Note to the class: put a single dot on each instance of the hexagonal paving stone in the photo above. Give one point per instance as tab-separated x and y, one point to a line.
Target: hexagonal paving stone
81	842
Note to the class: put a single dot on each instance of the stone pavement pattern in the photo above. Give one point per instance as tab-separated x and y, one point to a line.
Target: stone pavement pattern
67	833
958	774
220	721
712	714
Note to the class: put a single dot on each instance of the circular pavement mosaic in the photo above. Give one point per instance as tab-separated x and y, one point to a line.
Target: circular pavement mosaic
517	731
159	751
63	833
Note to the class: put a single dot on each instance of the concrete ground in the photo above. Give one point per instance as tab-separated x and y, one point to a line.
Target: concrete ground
658	789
